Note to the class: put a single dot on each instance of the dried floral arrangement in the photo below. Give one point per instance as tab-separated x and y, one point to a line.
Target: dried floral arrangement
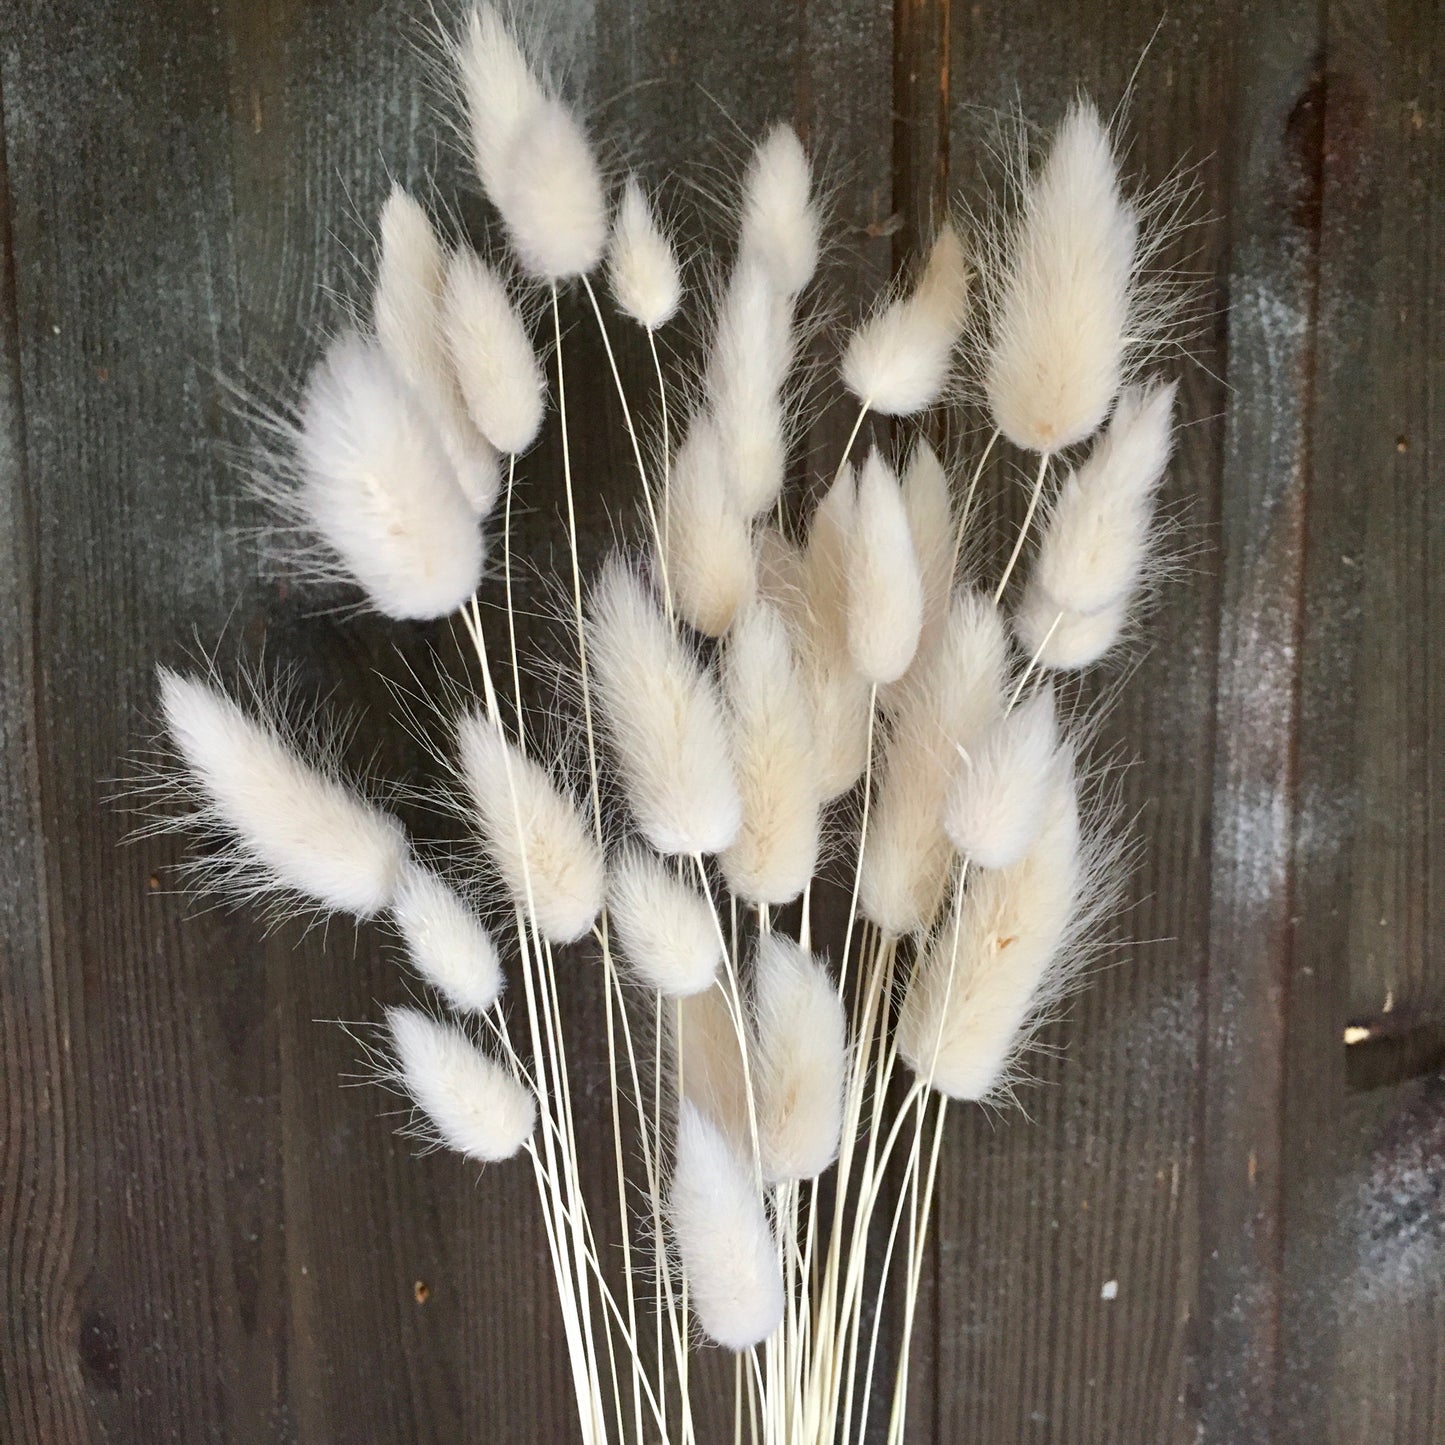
756	704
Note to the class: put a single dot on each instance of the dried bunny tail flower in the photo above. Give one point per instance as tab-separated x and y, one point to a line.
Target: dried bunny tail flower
707	548
531	153
495	363
1063	641
994	973
800	1060
375	487
533	830
723	1238
709	1063
781	225
839	695
406	310
1096	541
931	524
747	370
293	827
446	942
779	566
1061	313
664	718
897	362
885	590
470	1102
665	929
947	701
641	265
776	851
1001	790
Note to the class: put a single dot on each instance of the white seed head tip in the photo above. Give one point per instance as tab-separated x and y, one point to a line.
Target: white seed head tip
723	1237
1002	786
711	569
897	362
303	829
378	489
496	366
666	929
642	268
534	832
1061	312
801	1061
473	1104
664	719
446	942
780	227
1097	539
773	746
885	588
984	985
550	195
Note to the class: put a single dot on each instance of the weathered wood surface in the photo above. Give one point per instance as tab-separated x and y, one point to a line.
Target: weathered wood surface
203	1237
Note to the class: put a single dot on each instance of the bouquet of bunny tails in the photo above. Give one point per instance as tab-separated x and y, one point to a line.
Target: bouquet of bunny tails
760	709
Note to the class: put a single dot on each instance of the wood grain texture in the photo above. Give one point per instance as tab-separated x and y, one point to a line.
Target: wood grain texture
205	1238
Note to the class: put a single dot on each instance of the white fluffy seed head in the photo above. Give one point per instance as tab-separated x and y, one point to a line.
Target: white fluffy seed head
377	488
897	362
707	548
885	589
1064	641
779	564
947	701
1001	787
550	196
533	830
495	363
292	826
747	371
931	525
531	153
665	929
987	980
1095	544
407	314
641	266
800	1060
446	942
1061	313
780	218
664	719
471	1103
839	695
776	850
724	1242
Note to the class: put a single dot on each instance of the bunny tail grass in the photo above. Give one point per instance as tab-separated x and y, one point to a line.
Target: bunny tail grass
641	265
664	718
377	489
998	802
885	588
470	1103
729	1259
534	832
494	359
665	929
446	942
292	826
776	851
898	361
1061	313
780	229
801	1061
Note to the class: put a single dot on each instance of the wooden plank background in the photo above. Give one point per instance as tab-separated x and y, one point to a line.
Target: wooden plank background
203	1237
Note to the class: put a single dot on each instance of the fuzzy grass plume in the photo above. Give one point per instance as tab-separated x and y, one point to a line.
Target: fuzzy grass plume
766	687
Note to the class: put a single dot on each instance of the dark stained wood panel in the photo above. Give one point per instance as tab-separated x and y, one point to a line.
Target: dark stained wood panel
205	1238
